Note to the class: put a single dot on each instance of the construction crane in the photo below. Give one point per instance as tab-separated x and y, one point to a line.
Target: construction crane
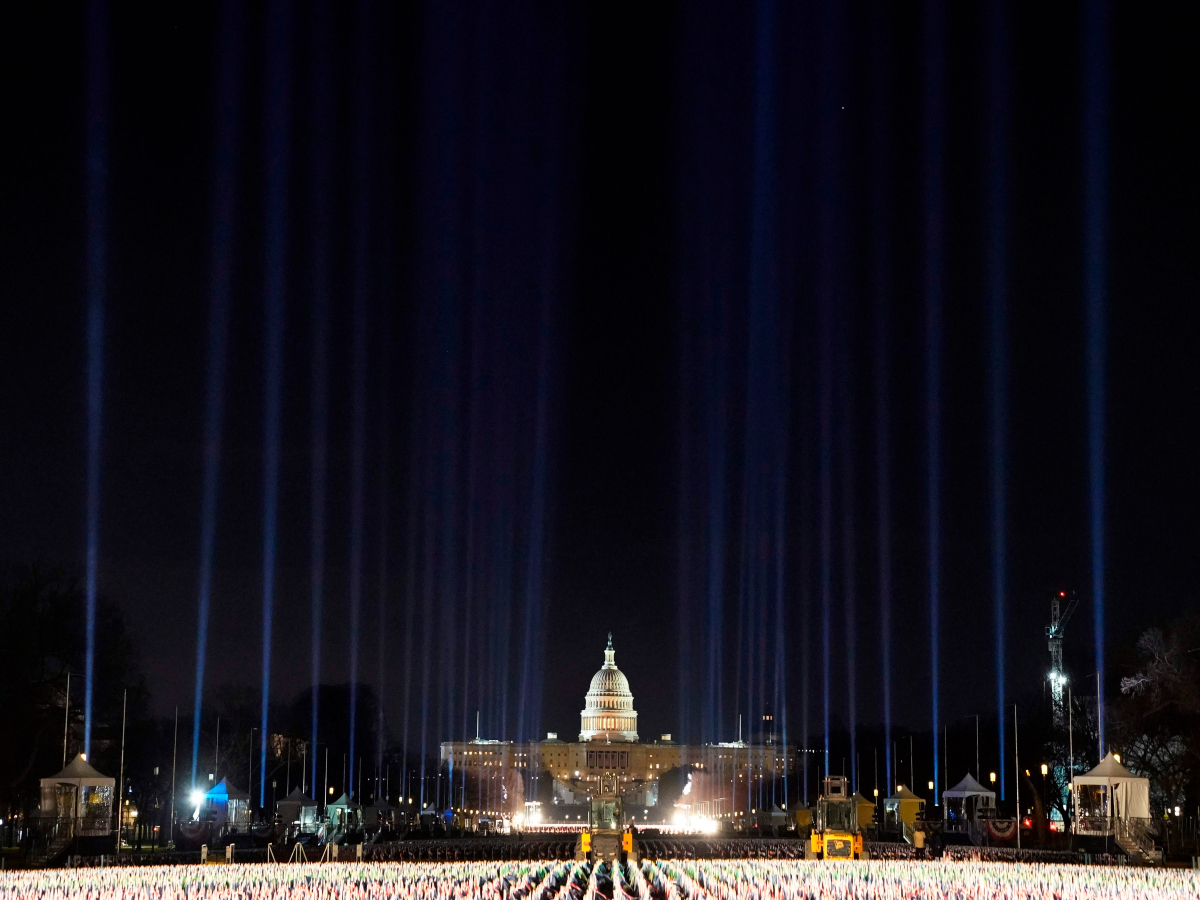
1054	634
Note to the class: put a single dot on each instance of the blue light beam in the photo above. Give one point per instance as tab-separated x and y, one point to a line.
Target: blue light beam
996	223
849	582
322	167
228	102
934	125
96	161
881	282
277	147
1095	224
829	240
362	276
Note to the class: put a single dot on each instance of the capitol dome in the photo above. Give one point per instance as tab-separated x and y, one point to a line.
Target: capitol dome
608	713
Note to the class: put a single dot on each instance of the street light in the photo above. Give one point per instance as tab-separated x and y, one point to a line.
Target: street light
1045	770
992	776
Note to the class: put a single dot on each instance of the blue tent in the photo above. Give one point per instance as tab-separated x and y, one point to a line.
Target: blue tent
225	804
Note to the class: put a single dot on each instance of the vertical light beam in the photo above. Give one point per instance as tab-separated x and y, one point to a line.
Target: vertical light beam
96	161
934	114
826	511
766	405
1095	247
224	214
828	276
716	442
278	112
362	216
996	222
385	406
881	281
849	582
322	117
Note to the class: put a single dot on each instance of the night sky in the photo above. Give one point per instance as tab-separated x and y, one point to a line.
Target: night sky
591	273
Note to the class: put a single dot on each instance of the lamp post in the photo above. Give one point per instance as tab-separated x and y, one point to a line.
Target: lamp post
1045	772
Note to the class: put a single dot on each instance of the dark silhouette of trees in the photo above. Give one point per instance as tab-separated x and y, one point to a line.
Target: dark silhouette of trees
42	638
1157	717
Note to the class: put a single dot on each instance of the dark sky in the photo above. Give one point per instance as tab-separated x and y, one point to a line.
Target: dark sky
541	206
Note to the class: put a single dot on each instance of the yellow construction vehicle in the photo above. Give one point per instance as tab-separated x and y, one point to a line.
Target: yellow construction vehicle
835	832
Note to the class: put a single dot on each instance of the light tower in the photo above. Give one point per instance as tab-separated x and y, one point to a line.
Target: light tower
1054	633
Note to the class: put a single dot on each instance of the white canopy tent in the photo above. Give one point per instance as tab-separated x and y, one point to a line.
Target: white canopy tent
966	802
298	810
1109	791
226	805
969	787
81	794
380	814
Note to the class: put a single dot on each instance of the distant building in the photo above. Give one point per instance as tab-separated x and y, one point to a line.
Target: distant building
725	776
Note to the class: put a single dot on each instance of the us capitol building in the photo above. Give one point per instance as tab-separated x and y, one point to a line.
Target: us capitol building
608	745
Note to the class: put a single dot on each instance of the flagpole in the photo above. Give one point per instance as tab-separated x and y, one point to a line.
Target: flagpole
174	749
66	717
121	773
1017	767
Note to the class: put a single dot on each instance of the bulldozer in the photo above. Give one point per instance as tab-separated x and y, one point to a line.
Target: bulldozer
607	838
835	831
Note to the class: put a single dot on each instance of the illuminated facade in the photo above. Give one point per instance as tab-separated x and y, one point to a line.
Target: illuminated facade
608	713
726	777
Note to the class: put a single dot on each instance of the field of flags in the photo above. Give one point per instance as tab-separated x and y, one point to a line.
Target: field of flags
648	880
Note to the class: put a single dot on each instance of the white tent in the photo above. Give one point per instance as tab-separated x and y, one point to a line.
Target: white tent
380	814
298	810
82	794
965	802
969	787
1111	791
343	813
226	805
